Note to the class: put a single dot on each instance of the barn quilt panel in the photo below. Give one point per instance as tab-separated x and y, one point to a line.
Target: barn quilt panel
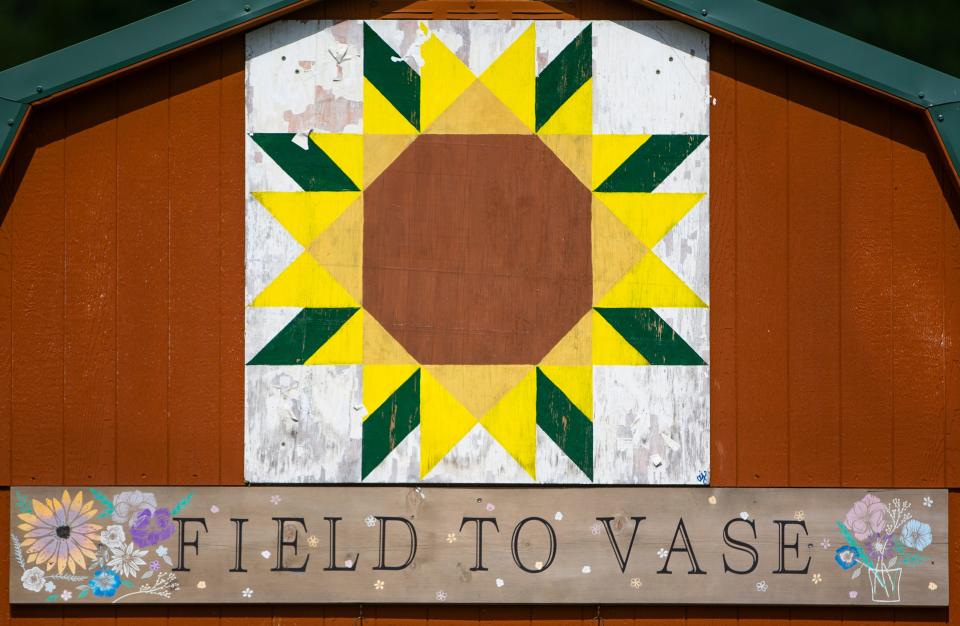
477	252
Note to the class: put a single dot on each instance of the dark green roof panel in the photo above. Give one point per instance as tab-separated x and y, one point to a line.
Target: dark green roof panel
750	19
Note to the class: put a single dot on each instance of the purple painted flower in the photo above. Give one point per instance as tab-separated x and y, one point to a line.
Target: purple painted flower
879	546
846	556
154	565
151	527
867	516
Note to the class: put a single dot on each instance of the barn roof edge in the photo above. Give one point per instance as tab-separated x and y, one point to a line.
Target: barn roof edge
751	20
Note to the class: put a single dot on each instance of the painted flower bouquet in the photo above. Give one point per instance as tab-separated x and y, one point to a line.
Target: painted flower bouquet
63	544
883	538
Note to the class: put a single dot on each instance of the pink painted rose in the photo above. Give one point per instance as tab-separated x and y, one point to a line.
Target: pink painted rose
866	517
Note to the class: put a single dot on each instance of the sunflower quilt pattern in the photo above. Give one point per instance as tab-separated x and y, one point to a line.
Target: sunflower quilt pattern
477	252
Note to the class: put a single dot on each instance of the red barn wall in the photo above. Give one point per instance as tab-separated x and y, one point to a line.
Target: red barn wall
835	268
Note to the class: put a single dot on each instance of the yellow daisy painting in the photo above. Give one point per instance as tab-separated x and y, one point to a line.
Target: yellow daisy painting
477	252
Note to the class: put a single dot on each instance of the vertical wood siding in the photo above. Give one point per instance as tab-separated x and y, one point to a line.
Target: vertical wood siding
835	314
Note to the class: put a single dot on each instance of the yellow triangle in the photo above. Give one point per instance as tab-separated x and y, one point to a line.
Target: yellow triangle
305	214
650	216
380	381
574	348
512	77
576	383
609	153
478	112
379	151
380	117
346	150
651	284
304	283
479	387
513	423
443	77
615	250
379	346
339	249
443	422
345	347
574	151
575	116
610	348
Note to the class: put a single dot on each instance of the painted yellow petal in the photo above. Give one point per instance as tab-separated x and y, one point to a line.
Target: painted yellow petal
31	558
90	554
27	526
72	566
62	557
27	542
43	512
82	517
77	502
86	507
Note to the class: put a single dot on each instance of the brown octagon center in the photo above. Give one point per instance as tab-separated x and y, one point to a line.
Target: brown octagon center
476	249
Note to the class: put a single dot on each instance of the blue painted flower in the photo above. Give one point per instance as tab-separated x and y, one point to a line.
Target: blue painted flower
916	534
846	556
104	583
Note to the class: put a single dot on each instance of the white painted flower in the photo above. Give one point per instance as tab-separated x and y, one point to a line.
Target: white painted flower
538	565
113	537
247	593
451	538
927	501
161	551
348	563
370	521
799	516
744	515
202	584
441	596
762	586
490	506
816	579
825	544
127	504
636	583
126	562
378	585
712	499
33	579
313	541
66	595
932	586
214	509
499	582
275	499
558	516
662	553
596	528
586	569
50	586
853	595
265	554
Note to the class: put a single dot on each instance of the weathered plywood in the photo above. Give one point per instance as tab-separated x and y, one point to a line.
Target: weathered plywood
397	544
498	231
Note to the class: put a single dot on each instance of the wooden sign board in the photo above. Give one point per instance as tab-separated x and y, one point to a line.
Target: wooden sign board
124	545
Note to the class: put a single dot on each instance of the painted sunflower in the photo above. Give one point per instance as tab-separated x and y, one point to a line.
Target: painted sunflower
59	532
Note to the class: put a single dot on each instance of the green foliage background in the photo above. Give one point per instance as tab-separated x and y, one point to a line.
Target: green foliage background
923	30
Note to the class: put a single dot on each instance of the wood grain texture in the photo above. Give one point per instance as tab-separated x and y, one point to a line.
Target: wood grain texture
761	268
547	547
36	256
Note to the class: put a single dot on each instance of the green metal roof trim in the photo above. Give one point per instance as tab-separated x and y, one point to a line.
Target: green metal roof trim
750	19
837	53
117	49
